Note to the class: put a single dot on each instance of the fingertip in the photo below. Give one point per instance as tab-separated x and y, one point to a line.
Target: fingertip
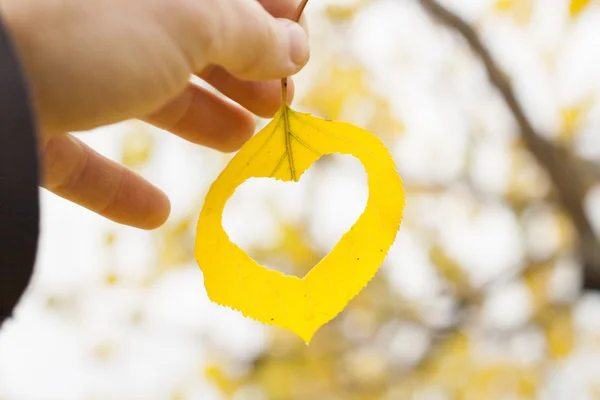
138	203
156	211
258	46
237	137
77	173
297	41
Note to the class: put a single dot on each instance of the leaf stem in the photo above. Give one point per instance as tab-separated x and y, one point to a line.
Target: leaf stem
295	18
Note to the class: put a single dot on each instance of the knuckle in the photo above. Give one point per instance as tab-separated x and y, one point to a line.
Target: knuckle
246	41
119	191
258	54
63	167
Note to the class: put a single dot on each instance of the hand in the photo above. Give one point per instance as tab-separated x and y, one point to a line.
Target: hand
95	62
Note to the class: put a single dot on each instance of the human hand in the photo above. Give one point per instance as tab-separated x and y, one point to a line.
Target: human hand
98	62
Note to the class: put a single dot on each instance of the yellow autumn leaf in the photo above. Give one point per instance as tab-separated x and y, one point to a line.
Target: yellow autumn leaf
291	244
503	5
450	270
225	383
175	244
519	10
537	279
560	333
284	150
576	6
138	144
335	89
340	12
499	381
573	118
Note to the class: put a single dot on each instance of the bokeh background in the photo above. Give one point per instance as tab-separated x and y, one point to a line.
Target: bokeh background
489	292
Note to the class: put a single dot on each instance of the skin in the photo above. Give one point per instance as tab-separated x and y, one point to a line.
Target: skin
96	62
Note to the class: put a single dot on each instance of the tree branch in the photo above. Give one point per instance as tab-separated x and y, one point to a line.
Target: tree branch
570	176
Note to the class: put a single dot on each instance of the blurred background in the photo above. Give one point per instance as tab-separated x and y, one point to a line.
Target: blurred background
489	292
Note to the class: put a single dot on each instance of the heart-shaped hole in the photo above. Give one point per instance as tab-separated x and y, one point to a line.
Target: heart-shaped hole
290	226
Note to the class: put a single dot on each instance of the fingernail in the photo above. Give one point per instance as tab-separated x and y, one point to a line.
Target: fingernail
299	52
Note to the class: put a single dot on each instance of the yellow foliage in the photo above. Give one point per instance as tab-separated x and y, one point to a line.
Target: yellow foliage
291	243
344	12
175	244
537	279
225	383
284	150
383	122
177	394
594	391
137	146
103	351
560	333
343	93
450	269
110	238
111	278
572	117
519	10
500	381
340	12
527	182
331	91
451	364
567	233
577	6
503	5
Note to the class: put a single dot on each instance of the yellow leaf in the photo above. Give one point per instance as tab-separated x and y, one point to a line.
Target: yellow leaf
110	238
137	146
594	391
284	150
343	92
175	244
560	333
340	12
519	10
577	6
111	279
450	269
345	11
225	383
334	90
498	381
450	364
537	279
503	5
291	244
384	123
177	394
573	118
526	182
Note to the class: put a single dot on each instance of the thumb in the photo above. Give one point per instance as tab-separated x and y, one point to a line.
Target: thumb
253	45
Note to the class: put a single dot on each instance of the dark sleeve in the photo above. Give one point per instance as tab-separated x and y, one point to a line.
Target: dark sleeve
19	202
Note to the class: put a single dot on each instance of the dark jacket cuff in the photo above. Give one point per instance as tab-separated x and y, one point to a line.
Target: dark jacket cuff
19	197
